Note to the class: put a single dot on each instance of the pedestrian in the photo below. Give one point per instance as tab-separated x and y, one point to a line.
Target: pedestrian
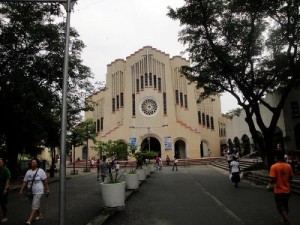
235	171
4	189
281	174
175	164
168	160
209	152
103	169
36	180
229	157
160	163
98	169
157	159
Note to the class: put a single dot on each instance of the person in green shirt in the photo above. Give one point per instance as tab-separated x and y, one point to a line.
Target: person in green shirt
4	187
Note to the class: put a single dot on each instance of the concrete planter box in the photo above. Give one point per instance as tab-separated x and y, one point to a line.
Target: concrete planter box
132	181
147	171
142	174
113	195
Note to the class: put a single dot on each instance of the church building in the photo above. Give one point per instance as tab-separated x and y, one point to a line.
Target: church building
148	104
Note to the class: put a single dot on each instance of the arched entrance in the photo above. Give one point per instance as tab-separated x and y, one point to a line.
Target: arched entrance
151	144
84	153
180	149
204	148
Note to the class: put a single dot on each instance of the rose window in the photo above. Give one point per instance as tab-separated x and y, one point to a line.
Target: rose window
149	107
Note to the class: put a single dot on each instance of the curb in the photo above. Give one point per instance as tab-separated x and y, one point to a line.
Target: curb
107	213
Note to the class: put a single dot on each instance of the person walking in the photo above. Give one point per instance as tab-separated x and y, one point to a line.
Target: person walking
103	169
4	188
175	164
281	174
168	160
235	171
36	180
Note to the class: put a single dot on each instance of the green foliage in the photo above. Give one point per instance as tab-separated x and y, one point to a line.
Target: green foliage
116	149
235	112
245	48
31	68
145	155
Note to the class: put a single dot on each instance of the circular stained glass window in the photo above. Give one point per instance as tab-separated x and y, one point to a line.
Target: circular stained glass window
149	107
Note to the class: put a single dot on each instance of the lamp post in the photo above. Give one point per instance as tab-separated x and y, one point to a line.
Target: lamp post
148	139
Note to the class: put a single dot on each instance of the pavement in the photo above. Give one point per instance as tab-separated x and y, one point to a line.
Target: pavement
176	190
197	195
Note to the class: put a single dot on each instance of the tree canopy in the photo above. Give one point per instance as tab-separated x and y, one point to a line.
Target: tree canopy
248	48
31	73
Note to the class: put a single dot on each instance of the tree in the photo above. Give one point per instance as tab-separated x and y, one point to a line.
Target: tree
248	48
31	68
87	131
116	149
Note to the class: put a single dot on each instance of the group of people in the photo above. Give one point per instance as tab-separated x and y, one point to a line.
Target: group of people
105	167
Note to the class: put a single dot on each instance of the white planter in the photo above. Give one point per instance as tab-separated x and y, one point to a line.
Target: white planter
132	181
142	174
147	171
113	195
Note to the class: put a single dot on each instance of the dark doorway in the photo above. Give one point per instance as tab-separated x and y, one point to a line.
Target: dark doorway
151	144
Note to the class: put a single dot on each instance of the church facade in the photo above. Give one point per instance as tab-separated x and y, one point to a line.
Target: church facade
148	104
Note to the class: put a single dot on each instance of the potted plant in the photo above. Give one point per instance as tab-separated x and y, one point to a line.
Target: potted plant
132	179
113	190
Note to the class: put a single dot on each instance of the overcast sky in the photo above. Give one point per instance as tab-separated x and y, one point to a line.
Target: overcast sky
114	29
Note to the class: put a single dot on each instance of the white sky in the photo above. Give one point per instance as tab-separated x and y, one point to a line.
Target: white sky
114	29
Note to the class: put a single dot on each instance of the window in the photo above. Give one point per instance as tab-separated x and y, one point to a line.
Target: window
122	100
98	125
146	80
137	85
113	105
154	81
181	99
101	124
142	82
207	121
199	117
177	96
118	101
165	102
159	84
150	79
133	104
212	126
185	101
203	118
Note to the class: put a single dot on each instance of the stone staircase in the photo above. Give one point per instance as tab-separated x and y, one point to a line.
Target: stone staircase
254	171
262	178
246	164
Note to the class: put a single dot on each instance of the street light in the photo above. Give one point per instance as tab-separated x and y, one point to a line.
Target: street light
148	139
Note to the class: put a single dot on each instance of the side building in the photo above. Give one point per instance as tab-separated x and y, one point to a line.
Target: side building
288	127
148	104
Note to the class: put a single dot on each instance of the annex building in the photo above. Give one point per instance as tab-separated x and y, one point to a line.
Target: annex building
148	104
